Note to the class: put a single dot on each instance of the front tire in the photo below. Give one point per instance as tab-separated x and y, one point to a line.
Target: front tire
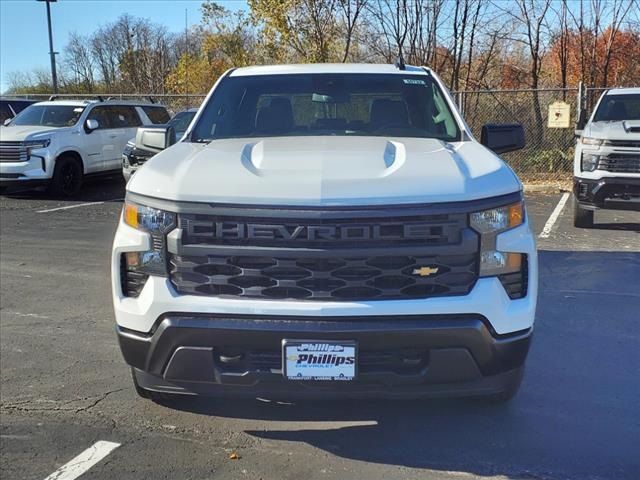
67	177
582	218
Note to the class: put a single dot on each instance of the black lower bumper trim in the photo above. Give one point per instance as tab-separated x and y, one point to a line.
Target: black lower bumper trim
616	193
404	356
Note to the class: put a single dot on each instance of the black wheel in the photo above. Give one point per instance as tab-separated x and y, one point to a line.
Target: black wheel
582	218
67	177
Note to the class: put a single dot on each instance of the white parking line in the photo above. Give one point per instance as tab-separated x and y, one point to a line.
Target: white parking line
546	231
83	462
78	205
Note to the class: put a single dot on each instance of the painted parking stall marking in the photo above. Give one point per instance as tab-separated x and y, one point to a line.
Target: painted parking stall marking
83	462
87	204
546	231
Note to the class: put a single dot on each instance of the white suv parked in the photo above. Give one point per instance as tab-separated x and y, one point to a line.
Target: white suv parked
58	143
607	160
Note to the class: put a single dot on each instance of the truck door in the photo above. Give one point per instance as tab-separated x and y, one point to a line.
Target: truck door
124	121
97	143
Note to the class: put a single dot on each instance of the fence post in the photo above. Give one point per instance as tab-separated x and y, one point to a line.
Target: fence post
580	98
460	102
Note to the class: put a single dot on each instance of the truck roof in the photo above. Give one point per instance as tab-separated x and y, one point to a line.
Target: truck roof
84	103
327	68
624	91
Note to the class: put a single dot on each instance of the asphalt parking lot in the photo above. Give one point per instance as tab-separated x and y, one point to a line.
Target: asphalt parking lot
64	385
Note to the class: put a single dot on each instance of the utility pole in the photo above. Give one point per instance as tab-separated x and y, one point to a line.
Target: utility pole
54	76
186	58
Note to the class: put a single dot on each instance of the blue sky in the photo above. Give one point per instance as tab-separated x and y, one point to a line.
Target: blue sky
24	44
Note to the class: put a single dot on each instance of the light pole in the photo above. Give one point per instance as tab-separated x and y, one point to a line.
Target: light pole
54	76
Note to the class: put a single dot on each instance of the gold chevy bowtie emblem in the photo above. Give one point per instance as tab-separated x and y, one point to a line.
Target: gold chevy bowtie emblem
425	271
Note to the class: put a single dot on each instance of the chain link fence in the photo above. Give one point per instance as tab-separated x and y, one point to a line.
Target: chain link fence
547	158
548	155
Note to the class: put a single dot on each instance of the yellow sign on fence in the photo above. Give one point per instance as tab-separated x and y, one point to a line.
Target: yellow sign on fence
559	115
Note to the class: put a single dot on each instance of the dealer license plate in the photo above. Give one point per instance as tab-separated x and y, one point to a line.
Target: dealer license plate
319	361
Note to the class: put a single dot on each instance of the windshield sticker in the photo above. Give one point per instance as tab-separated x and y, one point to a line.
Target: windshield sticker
413	81
77	110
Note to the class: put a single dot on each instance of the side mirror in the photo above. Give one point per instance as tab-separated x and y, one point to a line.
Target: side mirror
6	122
155	138
503	138
91	125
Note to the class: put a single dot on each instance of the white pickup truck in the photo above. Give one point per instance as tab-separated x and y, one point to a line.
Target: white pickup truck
607	158
327	230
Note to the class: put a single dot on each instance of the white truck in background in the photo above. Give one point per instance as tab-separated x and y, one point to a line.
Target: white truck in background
606	166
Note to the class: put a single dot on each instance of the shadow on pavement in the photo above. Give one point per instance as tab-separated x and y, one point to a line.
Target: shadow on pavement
576	416
629	226
93	190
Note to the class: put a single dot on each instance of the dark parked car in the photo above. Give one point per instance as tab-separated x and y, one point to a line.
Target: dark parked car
10	107
135	155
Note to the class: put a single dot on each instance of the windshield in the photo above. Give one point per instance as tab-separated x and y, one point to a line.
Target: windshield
615	108
49	115
180	122
327	104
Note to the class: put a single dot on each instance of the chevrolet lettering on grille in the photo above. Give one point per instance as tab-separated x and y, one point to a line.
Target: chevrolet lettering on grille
351	232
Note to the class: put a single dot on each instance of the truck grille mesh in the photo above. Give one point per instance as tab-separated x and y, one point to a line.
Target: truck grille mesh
374	254
13	152
357	278
620	163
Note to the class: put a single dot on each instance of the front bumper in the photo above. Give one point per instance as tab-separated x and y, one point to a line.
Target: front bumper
426	355
616	193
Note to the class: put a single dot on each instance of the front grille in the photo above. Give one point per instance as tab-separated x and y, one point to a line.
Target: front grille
324	255
13	152
623	143
346	278
620	163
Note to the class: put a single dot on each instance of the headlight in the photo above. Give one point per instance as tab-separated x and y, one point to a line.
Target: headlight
489	223
152	220
589	162
498	219
592	141
136	266
36	144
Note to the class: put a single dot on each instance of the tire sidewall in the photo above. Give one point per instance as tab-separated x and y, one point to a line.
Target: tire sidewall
61	170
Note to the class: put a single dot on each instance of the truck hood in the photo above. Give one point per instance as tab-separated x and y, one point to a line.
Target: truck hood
624	130
20	133
325	171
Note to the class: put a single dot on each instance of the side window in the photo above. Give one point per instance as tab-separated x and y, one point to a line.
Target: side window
443	118
157	115
122	116
100	113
